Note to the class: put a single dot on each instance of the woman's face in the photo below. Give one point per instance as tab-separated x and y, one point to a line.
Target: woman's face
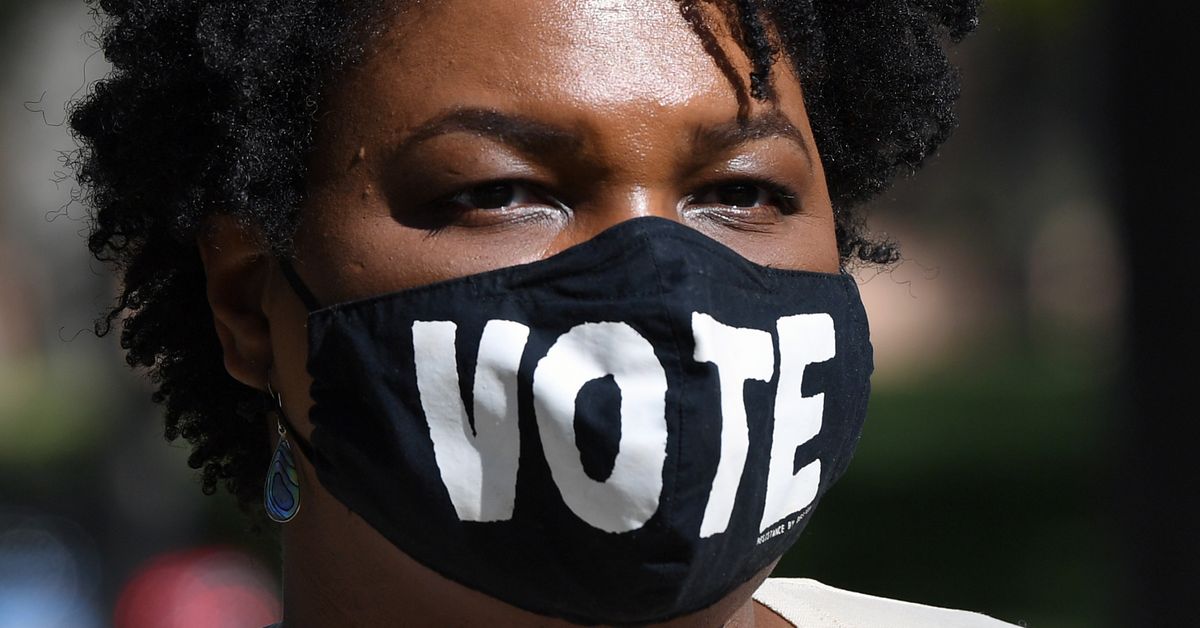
480	134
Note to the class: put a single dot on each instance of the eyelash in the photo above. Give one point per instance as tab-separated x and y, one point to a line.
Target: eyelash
536	193
778	194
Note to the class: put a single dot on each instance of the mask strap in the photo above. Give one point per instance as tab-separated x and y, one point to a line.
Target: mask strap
298	285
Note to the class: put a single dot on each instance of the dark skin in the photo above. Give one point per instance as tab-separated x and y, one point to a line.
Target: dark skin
455	149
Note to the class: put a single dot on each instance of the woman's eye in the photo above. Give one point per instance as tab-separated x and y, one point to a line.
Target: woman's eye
495	204
745	196
499	195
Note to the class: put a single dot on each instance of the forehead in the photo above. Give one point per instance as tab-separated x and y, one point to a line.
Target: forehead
557	58
634	49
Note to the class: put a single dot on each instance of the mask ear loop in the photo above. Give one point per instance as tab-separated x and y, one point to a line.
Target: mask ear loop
281	491
298	286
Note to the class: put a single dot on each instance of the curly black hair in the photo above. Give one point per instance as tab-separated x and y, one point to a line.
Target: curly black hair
211	107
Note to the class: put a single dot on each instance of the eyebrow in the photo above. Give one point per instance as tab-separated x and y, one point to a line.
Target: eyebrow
726	136
532	136
526	134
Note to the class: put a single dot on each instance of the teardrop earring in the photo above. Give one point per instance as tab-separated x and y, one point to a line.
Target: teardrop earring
281	493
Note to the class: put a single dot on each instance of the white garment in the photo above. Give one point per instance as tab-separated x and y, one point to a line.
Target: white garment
809	604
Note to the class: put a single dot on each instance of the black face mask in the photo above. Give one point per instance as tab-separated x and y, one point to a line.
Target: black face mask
622	433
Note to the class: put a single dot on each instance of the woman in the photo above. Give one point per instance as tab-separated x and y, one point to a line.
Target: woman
515	312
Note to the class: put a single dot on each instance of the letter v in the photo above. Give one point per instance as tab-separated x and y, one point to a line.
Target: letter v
478	466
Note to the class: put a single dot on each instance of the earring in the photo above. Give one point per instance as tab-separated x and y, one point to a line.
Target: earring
281	493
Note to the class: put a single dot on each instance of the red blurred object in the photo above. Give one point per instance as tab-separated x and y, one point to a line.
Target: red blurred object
201	588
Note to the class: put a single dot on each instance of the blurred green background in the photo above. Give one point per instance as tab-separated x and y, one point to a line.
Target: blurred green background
984	479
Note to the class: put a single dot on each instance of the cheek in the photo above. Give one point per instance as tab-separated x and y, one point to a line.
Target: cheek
819	250
802	242
359	247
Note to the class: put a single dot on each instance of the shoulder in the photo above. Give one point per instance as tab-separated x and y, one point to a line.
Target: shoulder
809	603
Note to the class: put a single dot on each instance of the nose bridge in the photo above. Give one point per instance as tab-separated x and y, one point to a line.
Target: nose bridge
620	201
638	181
616	202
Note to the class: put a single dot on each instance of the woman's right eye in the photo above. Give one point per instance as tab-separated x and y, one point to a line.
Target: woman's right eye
494	204
500	195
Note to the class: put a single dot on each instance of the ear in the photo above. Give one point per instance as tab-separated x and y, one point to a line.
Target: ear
236	268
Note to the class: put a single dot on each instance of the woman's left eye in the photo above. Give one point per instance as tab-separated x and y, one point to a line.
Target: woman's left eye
745	195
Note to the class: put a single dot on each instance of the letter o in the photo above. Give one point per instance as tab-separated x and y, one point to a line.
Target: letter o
630	496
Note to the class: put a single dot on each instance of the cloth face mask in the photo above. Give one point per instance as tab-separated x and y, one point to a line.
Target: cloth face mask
622	433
